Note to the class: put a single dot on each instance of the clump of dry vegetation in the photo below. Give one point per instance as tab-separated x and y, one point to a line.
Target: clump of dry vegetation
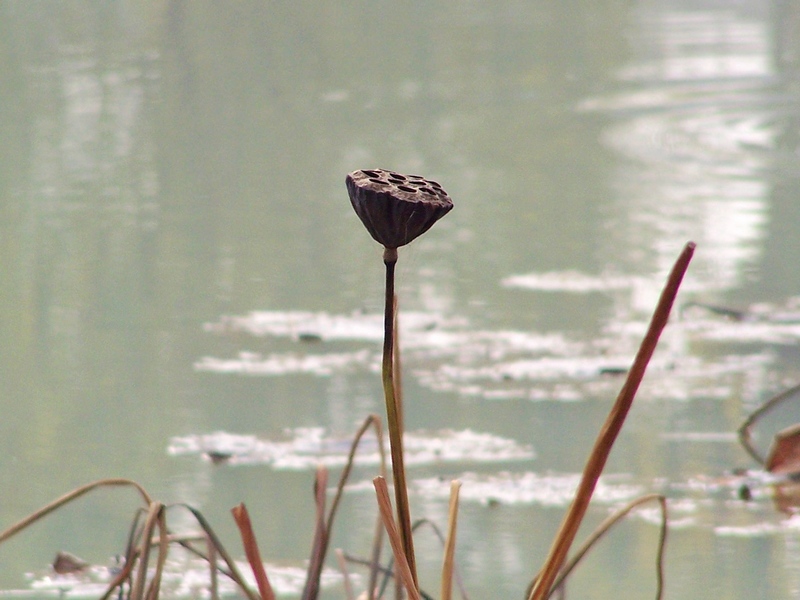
395	209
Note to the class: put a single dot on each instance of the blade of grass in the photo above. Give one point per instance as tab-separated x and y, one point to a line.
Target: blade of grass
324	524
319	546
375	560
233	571
450	543
371	421
374	422
611	428
163	549
441	537
606	525
377	543
387	571
252	552
385	508
139	582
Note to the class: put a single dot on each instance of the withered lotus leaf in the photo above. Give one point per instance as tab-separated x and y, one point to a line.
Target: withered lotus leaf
784	455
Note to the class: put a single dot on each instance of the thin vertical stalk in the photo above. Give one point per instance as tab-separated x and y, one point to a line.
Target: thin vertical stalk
211	550
611	428
253	554
403	569
348	586
448	564
393	415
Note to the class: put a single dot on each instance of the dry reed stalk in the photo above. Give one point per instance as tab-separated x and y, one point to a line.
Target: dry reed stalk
153	513
606	525
324	525
233	571
608	434
319	546
160	519
252	552
213	585
134	550
403	568
141	539
348	586
450	543
69	497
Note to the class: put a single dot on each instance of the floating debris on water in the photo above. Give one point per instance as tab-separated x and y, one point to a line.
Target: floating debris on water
551	489
180	579
570	281
65	563
443	354
307	448
322	326
253	363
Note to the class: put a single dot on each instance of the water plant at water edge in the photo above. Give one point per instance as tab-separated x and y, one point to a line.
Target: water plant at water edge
542	586
396	209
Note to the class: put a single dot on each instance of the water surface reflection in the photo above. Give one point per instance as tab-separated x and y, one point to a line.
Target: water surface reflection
187	274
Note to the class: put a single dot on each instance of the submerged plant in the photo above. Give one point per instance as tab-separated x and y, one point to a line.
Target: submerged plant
396	209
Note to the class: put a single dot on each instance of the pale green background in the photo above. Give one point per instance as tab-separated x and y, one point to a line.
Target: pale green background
166	163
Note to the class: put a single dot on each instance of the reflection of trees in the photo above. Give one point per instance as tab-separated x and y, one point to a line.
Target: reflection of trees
84	213
294	96
80	217
694	131
695	134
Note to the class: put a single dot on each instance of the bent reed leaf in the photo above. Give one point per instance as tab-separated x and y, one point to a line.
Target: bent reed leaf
403	568
242	518
606	525
69	497
609	431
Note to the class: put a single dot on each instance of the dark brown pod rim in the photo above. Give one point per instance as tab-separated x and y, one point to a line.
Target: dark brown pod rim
396	208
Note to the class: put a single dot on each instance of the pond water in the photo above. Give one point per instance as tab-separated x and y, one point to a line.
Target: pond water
184	278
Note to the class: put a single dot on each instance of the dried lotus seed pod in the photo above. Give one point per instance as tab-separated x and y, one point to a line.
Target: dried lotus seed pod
396	208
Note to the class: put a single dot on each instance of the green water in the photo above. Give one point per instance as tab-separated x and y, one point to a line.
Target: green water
169	166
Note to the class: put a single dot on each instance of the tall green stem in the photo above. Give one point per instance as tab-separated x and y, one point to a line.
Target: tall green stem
393	415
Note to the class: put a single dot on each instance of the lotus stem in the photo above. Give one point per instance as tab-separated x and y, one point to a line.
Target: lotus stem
393	415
